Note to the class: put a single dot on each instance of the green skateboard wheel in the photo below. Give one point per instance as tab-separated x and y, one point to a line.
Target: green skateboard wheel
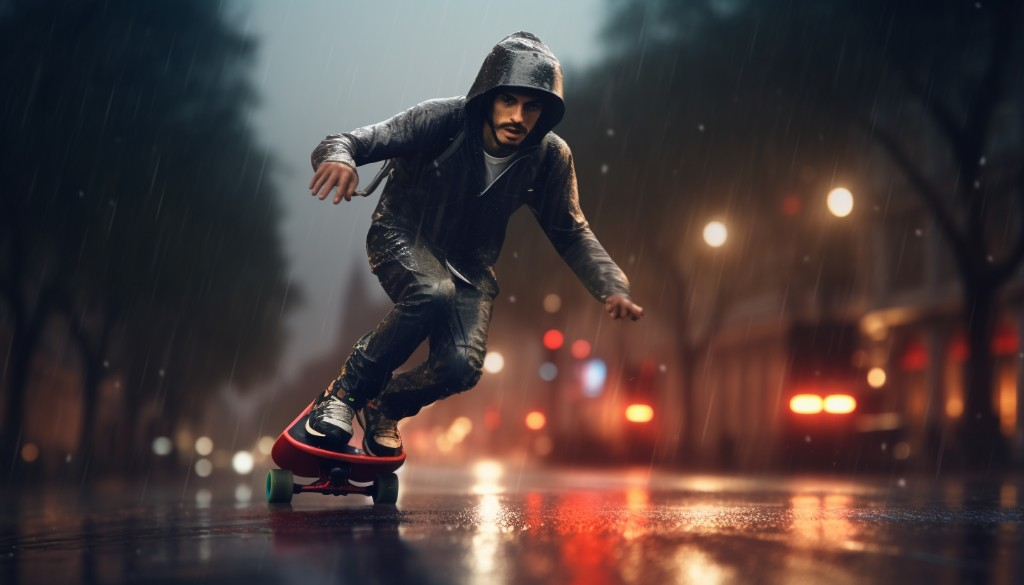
280	484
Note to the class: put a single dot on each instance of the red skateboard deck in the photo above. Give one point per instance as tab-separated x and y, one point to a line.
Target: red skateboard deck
338	473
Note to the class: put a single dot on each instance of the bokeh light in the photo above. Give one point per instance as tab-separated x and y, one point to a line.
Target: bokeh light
715	234
876	377
553	339
204	446
840	202
162	446
494	362
639	413
535	420
580	349
242	462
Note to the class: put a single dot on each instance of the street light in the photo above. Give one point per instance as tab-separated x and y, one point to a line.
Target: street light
715	234
840	202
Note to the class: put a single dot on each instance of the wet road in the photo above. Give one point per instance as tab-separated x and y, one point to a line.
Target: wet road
493	524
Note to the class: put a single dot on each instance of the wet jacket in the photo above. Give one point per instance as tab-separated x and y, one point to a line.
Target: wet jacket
436	190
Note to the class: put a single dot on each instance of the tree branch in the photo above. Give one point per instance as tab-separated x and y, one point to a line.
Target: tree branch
942	115
1005	269
928	192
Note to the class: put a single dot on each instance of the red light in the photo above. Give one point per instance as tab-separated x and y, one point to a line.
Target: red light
492	419
553	339
806	404
639	413
840	404
791	205
580	349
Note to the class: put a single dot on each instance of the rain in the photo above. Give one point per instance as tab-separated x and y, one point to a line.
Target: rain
819	205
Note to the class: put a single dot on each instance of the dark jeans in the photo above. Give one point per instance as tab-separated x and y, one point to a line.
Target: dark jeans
430	303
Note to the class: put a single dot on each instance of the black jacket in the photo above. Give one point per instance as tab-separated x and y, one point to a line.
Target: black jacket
445	203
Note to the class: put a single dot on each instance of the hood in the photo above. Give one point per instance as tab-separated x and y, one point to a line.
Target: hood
520	60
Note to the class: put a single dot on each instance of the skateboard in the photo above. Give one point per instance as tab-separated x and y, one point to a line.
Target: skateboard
337	473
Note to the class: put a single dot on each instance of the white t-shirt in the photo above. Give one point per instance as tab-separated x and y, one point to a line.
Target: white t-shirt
495	166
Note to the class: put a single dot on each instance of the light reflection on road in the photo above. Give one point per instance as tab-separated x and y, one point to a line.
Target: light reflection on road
496	523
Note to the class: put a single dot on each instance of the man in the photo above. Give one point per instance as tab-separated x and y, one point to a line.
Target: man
459	167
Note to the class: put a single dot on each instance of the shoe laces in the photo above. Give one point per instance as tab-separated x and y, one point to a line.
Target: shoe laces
335	408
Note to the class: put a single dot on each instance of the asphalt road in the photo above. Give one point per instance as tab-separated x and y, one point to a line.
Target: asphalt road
495	524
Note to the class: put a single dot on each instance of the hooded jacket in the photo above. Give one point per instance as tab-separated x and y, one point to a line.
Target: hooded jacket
443	201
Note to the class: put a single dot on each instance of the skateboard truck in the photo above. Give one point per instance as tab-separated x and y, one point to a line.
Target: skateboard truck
281	486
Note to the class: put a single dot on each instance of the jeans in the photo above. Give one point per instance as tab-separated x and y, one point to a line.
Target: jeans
430	304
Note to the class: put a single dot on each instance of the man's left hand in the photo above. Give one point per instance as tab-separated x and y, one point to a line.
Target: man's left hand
622	307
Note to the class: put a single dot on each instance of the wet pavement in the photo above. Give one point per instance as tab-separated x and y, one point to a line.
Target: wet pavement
492	524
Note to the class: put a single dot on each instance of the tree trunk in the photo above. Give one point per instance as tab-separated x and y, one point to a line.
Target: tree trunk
93	372
92	377
27	332
980	434
19	369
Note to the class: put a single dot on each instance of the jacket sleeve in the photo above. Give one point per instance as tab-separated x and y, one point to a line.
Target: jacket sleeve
403	135
558	212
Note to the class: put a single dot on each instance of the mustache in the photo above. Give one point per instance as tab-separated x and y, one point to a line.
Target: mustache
512	126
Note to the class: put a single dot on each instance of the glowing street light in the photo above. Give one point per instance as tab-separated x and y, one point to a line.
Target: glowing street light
715	234
840	202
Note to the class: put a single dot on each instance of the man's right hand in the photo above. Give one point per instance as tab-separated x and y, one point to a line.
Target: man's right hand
334	175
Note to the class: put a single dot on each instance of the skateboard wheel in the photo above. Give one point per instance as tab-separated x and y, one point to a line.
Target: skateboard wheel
280	486
385	489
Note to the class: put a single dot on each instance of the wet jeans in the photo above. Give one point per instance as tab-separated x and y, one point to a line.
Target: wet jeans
430	304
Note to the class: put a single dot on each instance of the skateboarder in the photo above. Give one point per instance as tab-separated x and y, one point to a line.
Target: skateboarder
459	167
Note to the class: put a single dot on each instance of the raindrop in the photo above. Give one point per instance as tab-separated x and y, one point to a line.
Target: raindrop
663	368
106	364
161	373
807	438
610	132
604	169
512	299
700	127
81	193
919	232
983	161
902	482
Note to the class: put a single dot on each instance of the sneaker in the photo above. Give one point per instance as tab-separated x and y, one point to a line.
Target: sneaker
329	424
380	433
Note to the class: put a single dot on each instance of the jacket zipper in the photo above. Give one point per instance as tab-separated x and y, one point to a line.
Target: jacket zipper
509	167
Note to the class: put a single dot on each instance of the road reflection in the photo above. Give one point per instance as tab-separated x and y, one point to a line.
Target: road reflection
496	524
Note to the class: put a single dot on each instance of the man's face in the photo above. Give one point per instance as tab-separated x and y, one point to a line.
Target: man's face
513	116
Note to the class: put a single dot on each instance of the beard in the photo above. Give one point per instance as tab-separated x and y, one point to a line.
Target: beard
502	144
